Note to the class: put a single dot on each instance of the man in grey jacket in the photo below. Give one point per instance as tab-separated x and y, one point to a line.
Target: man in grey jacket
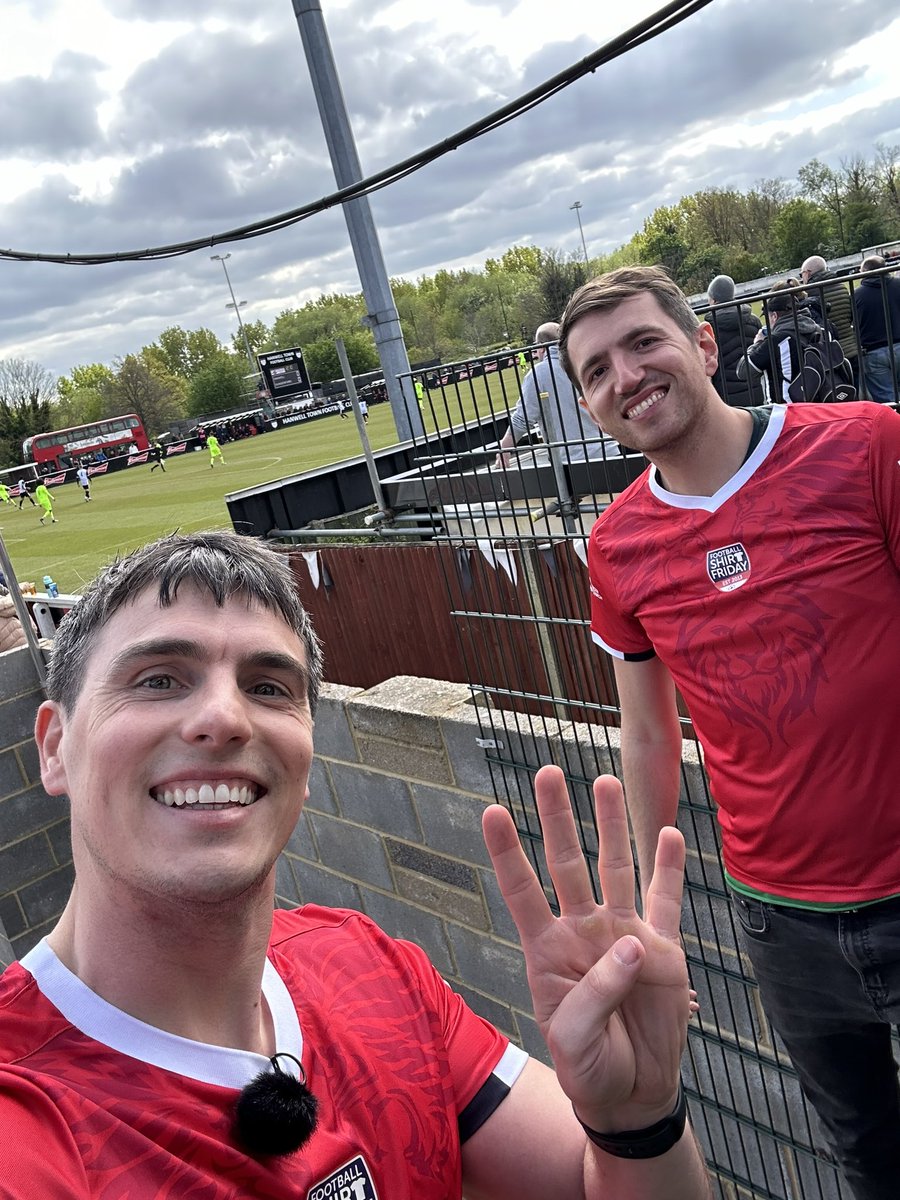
549	400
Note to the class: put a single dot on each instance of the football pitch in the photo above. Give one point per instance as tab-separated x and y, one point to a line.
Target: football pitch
134	506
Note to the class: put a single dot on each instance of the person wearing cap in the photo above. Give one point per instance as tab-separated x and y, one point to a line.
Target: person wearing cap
735	326
777	353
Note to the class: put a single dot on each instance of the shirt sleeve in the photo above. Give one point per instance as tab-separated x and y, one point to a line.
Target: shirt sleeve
884	467
759	354
618	632
39	1155
528	411
483	1063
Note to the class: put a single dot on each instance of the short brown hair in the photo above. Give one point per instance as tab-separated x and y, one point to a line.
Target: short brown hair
221	563
609	290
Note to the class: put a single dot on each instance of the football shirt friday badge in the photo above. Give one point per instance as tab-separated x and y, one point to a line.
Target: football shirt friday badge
728	567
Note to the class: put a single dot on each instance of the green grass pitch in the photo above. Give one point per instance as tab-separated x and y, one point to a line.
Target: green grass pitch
132	507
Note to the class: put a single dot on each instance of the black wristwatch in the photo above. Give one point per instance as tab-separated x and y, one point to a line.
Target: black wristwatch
643	1143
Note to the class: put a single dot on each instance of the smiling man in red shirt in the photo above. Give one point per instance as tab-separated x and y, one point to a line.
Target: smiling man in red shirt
756	566
174	1037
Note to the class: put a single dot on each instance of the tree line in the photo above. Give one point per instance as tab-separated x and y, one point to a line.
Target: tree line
454	315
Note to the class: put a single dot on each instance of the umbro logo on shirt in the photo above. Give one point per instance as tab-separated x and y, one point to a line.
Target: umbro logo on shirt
728	567
352	1181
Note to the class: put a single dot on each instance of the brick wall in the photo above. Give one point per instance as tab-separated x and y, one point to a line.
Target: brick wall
392	827
35	856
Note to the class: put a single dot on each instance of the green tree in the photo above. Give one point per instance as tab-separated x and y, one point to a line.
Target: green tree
26	392
323	363
83	395
823	185
258	337
801	228
887	171
665	239
327	317
561	275
517	260
183	352
140	386
218	385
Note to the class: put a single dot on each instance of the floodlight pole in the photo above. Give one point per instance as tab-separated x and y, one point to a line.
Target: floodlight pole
382	316
254	369
576	208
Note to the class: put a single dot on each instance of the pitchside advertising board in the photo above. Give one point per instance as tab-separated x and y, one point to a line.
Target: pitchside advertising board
284	372
120	463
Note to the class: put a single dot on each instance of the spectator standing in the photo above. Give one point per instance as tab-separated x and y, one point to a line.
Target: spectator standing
139	1040
548	399
831	305
777	352
735	328
85	480
755	567
45	500
877	304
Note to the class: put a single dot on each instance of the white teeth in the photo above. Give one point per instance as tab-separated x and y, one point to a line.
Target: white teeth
645	404
207	795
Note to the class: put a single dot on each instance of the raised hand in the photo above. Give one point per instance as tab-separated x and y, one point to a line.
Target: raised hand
610	990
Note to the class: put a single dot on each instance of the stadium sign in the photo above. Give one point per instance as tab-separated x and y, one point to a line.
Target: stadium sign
285	372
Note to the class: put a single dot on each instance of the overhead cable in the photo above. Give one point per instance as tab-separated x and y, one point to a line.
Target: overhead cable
659	22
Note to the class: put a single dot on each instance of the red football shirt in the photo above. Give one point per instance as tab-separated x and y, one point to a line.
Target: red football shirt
775	605
94	1103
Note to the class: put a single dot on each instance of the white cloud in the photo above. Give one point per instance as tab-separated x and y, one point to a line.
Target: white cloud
125	124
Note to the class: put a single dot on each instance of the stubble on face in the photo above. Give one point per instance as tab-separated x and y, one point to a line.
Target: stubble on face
121	742
636	355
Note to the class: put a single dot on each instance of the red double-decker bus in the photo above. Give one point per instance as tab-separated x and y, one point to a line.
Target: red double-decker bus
63	448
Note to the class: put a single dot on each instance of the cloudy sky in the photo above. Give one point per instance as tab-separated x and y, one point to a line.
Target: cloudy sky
125	124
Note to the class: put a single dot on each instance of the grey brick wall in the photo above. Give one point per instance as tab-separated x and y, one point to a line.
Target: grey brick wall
35	855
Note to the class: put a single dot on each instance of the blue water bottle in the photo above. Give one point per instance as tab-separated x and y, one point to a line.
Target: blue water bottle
51	588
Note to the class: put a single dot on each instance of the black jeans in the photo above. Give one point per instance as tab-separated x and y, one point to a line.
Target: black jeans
830	985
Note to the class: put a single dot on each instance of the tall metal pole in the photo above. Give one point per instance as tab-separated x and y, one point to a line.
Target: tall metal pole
576	207
254	370
382	317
